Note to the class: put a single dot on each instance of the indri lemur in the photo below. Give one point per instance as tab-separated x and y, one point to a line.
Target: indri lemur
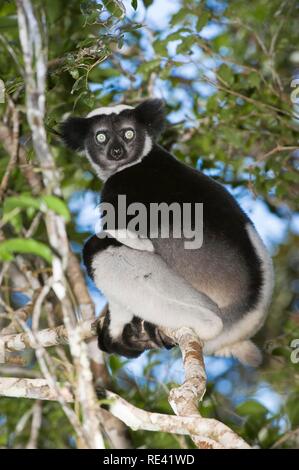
221	290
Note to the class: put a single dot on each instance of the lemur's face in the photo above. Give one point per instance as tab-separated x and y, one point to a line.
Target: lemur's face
116	137
116	140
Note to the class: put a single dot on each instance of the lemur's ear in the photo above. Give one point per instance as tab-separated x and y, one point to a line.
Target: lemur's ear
74	131
151	113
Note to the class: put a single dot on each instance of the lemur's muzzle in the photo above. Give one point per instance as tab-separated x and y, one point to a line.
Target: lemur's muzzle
117	152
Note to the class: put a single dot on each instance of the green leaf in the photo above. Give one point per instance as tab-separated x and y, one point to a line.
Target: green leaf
57	205
292	408
180	16
23	201
24	245
79	83
115	363
186	44
165	72
8	22
226	74
147	3
251	407
177	34
134	4
254	79
147	67
160	47
293	177
114	7
43	203
203	18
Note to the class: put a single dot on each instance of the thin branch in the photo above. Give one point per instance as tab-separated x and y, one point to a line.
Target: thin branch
22	314
21	372
277	149
46	338
12	53
35	425
36	389
13	153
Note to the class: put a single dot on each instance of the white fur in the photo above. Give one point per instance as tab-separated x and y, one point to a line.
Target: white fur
103	175
148	145
143	284
252	321
119	316
117	109
132	240
245	351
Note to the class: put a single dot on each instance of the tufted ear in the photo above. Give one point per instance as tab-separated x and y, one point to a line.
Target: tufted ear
151	113
74	131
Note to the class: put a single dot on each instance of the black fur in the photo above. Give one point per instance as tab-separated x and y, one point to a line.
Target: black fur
74	132
151	113
137	336
159	177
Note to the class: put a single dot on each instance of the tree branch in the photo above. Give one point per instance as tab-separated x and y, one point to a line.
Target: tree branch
132	416
206	433
46	338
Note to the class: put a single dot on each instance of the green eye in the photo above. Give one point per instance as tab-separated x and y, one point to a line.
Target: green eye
129	134
101	137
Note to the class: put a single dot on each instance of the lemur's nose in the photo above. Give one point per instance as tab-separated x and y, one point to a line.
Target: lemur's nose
117	152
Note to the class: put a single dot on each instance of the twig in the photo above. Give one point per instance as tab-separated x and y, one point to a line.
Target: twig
277	149
20	314
37	389
293	433
13	154
35	425
21	372
46	366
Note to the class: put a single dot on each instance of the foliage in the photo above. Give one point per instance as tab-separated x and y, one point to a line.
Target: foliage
225	71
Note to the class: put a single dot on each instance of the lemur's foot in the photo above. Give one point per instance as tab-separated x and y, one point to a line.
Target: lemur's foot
136	337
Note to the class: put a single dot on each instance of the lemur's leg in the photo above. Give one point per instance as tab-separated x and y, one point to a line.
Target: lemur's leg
135	337
119	331
142	283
